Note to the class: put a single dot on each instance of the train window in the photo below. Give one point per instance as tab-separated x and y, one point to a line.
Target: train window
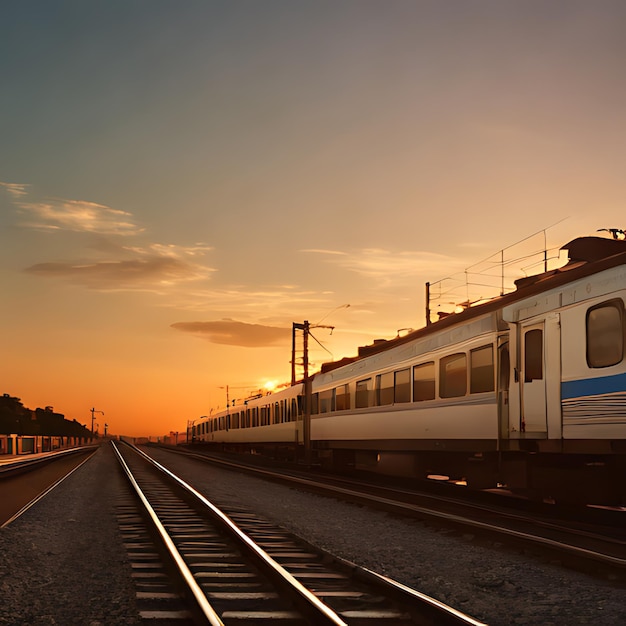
481	370
363	397
384	389
342	398
505	366
315	404
424	382
533	355
327	401
402	386
605	334
453	375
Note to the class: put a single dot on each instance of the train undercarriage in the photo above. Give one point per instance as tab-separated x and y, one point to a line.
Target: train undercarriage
574	478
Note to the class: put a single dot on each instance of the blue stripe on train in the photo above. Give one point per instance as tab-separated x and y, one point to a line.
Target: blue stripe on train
593	386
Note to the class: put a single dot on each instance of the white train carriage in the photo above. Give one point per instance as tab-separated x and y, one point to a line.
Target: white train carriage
264	419
527	390
409	409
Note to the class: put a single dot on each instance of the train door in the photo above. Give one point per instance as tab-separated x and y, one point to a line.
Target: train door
532	378
504	376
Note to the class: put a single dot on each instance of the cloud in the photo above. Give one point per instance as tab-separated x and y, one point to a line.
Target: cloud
77	216
277	304
143	273
322	251
391	266
233	333
170	249
15	190
62	214
109	265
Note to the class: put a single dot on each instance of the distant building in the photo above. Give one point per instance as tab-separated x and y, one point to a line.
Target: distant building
16	419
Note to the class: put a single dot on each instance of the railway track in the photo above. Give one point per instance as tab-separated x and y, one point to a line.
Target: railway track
25	481
596	547
232	567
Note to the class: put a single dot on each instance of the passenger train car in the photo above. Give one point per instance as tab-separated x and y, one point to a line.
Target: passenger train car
527	390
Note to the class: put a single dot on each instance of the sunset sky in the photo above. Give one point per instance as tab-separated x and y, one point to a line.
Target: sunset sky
181	181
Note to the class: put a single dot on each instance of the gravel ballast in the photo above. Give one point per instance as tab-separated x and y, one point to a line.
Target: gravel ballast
498	586
64	562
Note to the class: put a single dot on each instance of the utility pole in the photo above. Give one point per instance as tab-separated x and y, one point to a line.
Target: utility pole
306	417
190	424
93	417
305	327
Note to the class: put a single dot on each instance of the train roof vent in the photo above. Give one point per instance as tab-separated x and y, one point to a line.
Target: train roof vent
589	249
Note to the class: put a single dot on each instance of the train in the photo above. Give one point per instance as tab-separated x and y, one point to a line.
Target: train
526	391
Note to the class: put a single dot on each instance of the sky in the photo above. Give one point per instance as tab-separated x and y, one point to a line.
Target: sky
180	182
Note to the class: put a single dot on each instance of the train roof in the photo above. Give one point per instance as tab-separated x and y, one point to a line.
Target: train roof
586	256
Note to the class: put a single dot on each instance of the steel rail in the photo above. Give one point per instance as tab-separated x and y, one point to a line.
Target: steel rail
577	551
203	604
14	465
434	611
324	612
44	493
436	605
458	519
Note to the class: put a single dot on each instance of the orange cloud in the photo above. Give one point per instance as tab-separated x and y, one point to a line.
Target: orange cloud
387	265
131	274
233	333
